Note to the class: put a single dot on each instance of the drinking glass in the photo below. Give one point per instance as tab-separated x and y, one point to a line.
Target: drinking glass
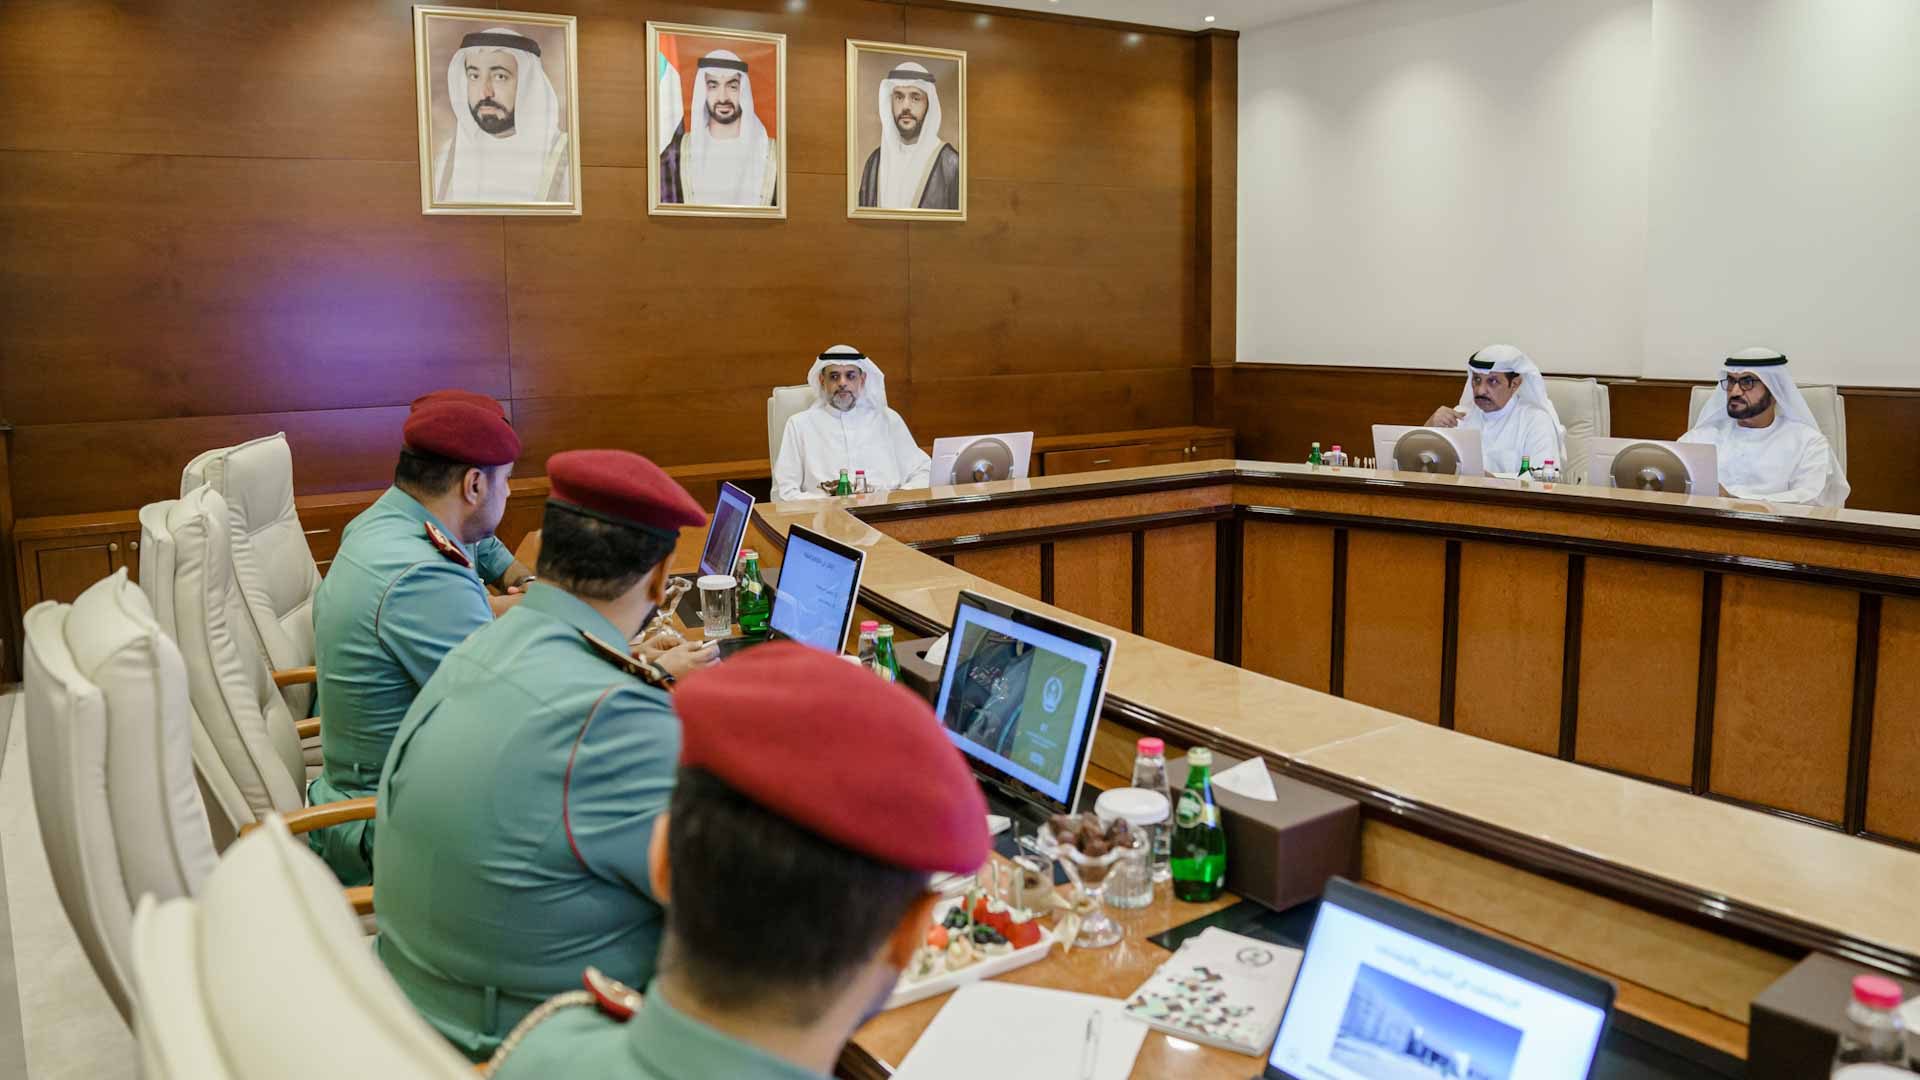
716	604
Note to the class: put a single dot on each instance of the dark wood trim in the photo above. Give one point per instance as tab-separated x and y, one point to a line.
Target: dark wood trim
1654	780
1337	634
1092	489
1866	676
1570	656
1046	573
1883	838
1449	633
1709	681
946	558
1139	584
1058	16
1227	591
1610	380
1790	815
1078	529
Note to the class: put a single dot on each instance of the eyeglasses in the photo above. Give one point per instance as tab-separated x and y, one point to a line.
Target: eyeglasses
1746	383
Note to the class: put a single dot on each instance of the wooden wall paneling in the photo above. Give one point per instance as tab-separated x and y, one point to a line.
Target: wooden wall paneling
1513	605
1062	404
1647	409
1893	777
1179	575
1217	191
1093	577
1883	465
63	573
1016	568
1276	411
1396	598
1783	695
1639	668
1286	589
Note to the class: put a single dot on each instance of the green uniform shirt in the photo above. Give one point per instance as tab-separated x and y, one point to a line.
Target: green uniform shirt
659	1043
514	821
391	606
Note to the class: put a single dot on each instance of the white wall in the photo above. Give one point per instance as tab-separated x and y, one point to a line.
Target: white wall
1617	186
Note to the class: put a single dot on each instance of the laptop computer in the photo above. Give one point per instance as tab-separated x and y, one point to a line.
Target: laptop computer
726	531
1388	991
813	602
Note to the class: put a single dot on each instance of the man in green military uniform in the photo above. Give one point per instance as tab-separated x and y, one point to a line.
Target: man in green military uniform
491	559
523	784
401	591
813	800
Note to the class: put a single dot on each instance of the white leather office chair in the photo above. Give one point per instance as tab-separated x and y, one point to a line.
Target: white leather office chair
1587	413
109	749
278	577
1829	411
266	973
782	405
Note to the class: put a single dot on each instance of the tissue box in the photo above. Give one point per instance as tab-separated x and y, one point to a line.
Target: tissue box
915	673
1794	1024
1281	853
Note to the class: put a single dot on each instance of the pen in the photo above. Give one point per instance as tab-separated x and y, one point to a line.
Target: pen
1090	1050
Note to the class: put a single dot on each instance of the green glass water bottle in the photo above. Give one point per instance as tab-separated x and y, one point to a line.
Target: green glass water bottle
885	663
1526	467
845	486
755	605
1199	842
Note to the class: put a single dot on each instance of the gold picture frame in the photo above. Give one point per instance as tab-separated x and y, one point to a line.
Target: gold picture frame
937	177
688	53
547	168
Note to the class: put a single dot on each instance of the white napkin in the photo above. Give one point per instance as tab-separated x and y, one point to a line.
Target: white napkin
1910	1012
937	652
1249	779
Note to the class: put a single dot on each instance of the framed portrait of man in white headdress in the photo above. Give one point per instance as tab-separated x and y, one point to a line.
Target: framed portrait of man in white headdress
717	121
499	104
906	132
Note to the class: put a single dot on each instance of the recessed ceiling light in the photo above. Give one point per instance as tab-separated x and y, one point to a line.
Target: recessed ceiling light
1209	18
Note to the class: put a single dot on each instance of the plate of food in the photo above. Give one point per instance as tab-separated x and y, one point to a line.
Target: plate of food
973	937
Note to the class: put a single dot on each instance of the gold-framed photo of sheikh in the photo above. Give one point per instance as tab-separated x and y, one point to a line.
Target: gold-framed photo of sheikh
499	100
717	121
906	132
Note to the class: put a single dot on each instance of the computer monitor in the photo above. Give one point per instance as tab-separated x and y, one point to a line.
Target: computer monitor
973	459
819	584
1464	443
1649	465
725	530
1386	990
1020	694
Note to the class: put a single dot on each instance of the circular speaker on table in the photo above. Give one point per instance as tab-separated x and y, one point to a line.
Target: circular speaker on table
982	460
1650	467
1425	451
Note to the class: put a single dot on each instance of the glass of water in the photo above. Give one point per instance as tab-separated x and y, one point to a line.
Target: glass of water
716	604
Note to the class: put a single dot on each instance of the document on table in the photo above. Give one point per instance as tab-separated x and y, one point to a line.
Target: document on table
1013	1032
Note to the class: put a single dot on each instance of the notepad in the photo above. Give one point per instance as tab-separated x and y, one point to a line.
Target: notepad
1221	989
1022	1033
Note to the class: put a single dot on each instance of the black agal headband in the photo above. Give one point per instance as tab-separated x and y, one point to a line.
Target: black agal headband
501	41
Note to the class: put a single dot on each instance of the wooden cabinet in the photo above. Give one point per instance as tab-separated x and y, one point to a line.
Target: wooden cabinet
1095	460
1131	449
62	568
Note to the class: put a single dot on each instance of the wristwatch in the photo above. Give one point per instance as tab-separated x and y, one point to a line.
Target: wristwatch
523	582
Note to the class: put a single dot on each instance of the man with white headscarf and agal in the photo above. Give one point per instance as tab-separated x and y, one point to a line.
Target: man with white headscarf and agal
1769	445
913	168
507	144
1506	401
722	154
848	426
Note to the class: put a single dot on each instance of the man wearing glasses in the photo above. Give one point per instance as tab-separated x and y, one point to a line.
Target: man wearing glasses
1506	401
1770	446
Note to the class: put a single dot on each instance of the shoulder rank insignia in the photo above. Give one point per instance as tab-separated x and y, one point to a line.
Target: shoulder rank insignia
615	998
645	670
444	545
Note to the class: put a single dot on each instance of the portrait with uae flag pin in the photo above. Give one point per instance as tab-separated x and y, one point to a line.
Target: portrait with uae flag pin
717	121
906	132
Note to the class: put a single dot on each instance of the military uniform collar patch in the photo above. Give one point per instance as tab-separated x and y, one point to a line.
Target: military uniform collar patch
647	671
614	998
444	545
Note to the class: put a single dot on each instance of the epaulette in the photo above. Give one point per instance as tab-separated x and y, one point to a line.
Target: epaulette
645	670
612	998
444	545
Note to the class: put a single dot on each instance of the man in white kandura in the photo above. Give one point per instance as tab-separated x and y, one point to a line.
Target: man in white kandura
1770	446
1506	401
849	427
913	168
507	146
722	155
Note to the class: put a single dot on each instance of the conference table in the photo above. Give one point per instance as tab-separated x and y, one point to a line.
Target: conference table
1661	737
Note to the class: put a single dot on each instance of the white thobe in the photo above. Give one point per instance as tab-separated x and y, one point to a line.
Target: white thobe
1517	430
819	442
1784	462
719	175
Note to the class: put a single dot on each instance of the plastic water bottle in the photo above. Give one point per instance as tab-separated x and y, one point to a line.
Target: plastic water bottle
869	636
1549	471
1338	457
1150	773
1874	1034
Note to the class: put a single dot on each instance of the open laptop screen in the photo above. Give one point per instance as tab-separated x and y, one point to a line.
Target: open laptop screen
726	531
1385	992
819	581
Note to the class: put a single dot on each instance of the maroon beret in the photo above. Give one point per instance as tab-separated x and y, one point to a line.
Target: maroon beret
622	487
461	431
485	401
853	759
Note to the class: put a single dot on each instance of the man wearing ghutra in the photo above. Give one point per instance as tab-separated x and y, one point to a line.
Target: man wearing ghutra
722	154
1769	445
507	144
913	167
848	426
1506	401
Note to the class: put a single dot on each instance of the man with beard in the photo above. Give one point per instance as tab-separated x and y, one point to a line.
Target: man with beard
507	144
848	426
913	167
1505	400
1769	445
722	155
805	870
